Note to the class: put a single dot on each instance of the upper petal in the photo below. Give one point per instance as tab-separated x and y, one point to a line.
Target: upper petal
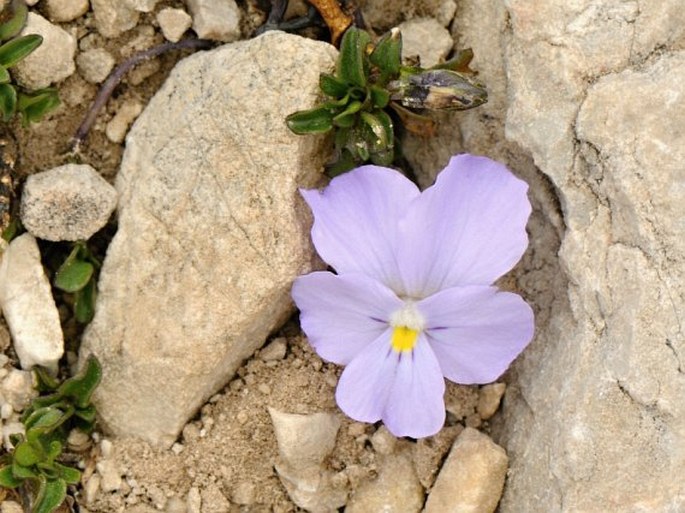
355	221
415	405
342	314
476	332
468	228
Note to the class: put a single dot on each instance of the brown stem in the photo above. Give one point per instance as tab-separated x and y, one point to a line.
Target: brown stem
118	74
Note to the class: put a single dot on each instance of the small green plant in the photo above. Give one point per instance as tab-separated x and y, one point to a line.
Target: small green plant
78	275
31	105
370	79
34	463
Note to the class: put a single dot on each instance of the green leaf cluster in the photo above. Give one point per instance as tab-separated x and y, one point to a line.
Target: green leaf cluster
78	275
31	105
34	463
371	86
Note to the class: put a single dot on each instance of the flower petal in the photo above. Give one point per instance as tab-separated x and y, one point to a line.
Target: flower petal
342	314
476	332
355	221
416	406
365	383
467	229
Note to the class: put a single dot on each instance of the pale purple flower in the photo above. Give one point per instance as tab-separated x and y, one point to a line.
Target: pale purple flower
412	302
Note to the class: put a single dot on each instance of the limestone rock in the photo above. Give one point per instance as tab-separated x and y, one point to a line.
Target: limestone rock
489	398
385	14
142	5
212	231
95	64
17	389
472	477
426	38
117	127
304	441
69	202
28	306
114	17
395	490
215	19
60	11
589	95
174	23
52	61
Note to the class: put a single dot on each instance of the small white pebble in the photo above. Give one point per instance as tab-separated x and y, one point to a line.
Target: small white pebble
177	448
274	351
3	359
6	411
105	448
92	488
264	388
194	500
118	126
10	507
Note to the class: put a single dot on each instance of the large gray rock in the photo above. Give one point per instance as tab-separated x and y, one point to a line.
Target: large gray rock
587	104
212	230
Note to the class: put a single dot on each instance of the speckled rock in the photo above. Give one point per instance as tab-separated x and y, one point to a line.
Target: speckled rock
95	64
173	23
52	61
471	478
114	17
426	38
395	490
171	292
28	306
61	11
215	19
69	202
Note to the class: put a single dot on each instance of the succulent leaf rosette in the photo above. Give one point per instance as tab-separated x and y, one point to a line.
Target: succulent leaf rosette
369	79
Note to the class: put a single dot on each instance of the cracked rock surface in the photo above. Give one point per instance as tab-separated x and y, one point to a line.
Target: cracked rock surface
170	331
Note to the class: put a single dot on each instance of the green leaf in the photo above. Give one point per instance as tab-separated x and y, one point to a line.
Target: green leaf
313	121
4	75
13	26
352	65
34	106
80	387
8	479
48	417
344	163
51	494
332	86
86	414
347	117
46	382
379	96
8	101
28	454
73	275
84	303
54	450
21	472
381	130
388	55
70	475
17	49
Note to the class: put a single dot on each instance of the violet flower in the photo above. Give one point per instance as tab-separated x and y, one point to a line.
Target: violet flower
413	301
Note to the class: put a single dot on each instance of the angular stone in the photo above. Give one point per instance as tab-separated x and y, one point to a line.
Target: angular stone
489	398
395	490
472	477
215	19
28	305
69	202
173	23
212	231
60	11
426	38
113	17
52	61
304	441
385	14
95	64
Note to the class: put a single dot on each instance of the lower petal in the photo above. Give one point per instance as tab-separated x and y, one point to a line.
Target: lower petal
415	405
476	331
365	383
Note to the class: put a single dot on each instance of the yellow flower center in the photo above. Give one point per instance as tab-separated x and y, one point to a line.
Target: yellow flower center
407	324
404	339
